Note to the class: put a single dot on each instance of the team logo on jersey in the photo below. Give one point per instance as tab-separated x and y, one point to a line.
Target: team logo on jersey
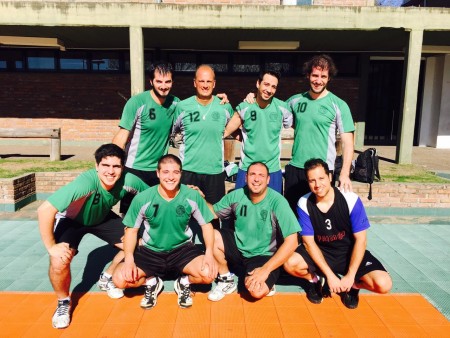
215	116
273	117
263	215
181	210
323	110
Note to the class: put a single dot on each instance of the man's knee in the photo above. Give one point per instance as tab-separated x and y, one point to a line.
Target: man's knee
117	277
295	263
383	284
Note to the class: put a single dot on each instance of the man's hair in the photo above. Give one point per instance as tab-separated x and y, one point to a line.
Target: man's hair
255	163
322	61
313	163
206	66
161	67
169	158
272	72
109	149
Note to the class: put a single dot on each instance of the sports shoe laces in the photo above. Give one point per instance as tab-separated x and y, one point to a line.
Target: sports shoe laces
185	292
63	308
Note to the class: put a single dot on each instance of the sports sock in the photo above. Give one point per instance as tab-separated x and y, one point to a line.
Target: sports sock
150	281
184	280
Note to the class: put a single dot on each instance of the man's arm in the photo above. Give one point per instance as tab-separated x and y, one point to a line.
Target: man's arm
129	270
260	275
356	258
208	237
348	149
46	219
314	251
234	123
121	138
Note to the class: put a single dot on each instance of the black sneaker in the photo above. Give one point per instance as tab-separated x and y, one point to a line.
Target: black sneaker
351	298
184	294
314	293
151	294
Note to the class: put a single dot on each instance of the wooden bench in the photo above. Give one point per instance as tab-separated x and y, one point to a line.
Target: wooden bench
54	134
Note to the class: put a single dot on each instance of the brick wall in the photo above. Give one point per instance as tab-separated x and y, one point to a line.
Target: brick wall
87	107
385	195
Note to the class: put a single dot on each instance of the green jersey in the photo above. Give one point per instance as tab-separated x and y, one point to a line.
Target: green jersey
261	131
258	227
149	124
202	128
316	123
167	222
87	202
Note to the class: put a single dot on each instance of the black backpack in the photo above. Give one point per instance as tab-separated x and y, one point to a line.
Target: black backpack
366	168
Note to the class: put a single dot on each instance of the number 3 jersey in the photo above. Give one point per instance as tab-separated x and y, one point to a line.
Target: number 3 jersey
333	230
85	200
202	128
149	124
167	222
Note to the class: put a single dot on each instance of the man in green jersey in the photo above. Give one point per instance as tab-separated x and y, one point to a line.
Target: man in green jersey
145	127
84	206
262	122
265	235
318	115
165	210
201	119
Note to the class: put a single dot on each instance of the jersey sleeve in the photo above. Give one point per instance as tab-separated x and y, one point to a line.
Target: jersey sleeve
134	184
136	212
358	217
129	116
288	117
72	191
223	208
303	217
344	117
200	210
178	119
286	219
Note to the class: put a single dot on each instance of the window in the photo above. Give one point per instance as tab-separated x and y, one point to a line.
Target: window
41	60
219	62
183	62
73	61
246	63
105	61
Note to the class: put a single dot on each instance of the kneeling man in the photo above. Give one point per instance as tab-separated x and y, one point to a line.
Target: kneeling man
265	235
334	226
165	210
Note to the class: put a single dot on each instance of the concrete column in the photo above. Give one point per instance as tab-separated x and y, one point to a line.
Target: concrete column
137	60
408	117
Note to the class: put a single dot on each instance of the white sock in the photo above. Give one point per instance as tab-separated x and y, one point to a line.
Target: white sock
184	280
315	279
150	281
106	275
67	298
226	275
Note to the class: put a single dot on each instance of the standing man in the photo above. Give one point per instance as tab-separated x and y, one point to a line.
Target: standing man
262	122
334	231
165	210
265	235
318	115
145	127
201	119
84	206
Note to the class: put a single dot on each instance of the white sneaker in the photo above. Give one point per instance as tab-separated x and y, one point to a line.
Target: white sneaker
224	286
61	317
184	294
272	291
151	294
106	284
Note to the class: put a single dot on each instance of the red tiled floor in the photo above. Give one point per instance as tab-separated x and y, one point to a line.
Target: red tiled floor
284	315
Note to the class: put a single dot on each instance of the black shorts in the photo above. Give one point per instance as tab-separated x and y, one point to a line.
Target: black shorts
340	267
213	186
111	230
295	185
234	258
149	177
155	263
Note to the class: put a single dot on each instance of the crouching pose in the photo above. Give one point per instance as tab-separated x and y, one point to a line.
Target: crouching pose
84	206
265	235
334	226
165	210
